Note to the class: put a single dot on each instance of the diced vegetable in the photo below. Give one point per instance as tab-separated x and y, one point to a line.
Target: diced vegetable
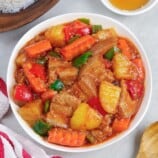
78	47
94	102
41	60
96	28
22	93
56	35
135	88
110	53
123	45
123	68
46	106
31	111
37	83
138	62
48	94
108	64
38	48
57	85
90	138
73	39
109	96
76	28
41	127
120	125
54	54
82	59
38	70
106	34
21	58
93	119
66	137
78	119
85	117
85	20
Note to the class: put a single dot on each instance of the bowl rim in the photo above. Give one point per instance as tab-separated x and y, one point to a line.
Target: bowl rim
24	125
139	11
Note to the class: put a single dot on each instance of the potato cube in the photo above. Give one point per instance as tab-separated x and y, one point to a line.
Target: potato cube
85	118
56	35
124	68
79	117
109	96
31	111
93	119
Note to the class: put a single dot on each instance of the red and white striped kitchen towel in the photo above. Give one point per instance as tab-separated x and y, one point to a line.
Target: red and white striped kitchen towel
13	145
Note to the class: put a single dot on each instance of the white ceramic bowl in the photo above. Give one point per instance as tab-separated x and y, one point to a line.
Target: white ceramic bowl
95	19
141	10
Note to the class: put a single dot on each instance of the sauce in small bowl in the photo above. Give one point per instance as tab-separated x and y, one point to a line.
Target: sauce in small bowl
128	4
129	7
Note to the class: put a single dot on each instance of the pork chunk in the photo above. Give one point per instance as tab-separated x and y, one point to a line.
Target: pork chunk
96	69
127	106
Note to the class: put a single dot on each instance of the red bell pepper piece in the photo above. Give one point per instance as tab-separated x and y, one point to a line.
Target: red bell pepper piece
108	64
38	70
76	28
95	103
22	93
135	88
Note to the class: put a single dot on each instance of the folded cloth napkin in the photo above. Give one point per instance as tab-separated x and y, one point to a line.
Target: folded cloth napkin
4	104
13	145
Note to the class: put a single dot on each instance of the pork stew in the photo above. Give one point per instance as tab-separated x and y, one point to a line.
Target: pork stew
78	84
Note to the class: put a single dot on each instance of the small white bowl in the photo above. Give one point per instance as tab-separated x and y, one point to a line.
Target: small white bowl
106	22
149	5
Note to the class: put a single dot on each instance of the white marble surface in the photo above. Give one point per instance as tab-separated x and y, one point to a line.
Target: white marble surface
146	29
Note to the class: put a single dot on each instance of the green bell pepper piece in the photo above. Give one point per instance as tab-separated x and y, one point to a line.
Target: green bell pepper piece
54	54
82	59
73	39
57	85
110	53
46	106
41	127
85	20
41	60
96	28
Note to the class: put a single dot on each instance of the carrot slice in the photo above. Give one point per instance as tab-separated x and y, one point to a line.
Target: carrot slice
78	47
138	62
36	49
66	137
48	94
120	125
123	45
36	83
